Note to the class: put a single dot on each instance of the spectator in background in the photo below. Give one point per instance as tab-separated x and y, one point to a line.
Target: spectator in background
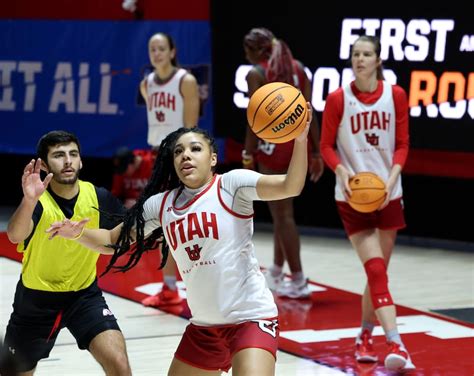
273	61
382	148
132	171
172	99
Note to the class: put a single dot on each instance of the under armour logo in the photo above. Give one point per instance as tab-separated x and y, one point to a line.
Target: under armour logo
169	209
12	350
107	312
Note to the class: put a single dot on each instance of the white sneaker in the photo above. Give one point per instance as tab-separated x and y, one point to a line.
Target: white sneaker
290	289
273	283
409	365
398	359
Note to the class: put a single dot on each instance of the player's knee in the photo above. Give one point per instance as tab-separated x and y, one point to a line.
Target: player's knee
114	361
376	271
119	365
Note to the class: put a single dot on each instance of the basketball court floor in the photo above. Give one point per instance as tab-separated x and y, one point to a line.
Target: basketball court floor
433	289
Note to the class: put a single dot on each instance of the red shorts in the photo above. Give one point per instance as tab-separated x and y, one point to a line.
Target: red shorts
276	157
212	348
390	218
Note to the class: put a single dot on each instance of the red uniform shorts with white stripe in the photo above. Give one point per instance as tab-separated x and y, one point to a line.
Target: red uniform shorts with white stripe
389	218
212	348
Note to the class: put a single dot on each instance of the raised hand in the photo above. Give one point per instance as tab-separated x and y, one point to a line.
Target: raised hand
304	135
31	182
67	229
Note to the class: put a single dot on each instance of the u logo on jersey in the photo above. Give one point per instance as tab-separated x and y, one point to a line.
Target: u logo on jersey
268	326
194	253
160	116
200	225
372	139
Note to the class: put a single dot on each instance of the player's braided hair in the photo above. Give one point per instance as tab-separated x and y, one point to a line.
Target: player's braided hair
163	178
280	59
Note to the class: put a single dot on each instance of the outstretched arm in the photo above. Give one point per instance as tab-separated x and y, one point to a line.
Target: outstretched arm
95	239
277	187
21	224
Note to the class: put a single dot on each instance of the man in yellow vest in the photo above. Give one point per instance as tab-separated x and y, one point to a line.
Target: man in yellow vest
58	285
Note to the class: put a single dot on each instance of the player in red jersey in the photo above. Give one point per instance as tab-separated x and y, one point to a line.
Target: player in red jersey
273	61
365	128
132	171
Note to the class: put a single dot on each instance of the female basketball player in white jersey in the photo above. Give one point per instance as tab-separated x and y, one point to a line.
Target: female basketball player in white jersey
365	128
172	98
171	93
207	224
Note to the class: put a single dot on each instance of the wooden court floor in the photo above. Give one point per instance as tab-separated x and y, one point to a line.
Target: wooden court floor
424	279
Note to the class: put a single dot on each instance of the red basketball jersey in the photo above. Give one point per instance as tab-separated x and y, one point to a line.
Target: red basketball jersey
277	156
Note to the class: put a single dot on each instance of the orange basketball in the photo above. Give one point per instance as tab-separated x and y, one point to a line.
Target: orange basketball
277	112
368	192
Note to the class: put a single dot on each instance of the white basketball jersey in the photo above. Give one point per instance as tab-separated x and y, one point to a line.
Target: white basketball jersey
366	137
213	248
165	107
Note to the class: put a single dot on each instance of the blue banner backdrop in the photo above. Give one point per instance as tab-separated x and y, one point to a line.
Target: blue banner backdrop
83	76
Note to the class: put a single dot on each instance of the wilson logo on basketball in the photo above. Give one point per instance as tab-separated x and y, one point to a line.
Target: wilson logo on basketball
274	104
277	112
290	120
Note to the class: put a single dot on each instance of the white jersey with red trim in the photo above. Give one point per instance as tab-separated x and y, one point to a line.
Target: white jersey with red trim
212	245
165	106
366	137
